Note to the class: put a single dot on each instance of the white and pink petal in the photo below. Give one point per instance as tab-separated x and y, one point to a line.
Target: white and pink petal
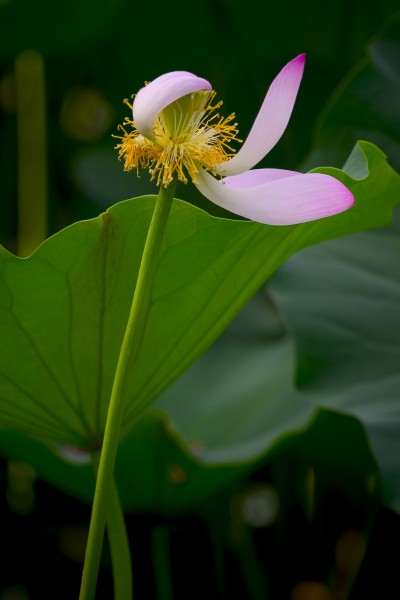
159	93
277	199
271	120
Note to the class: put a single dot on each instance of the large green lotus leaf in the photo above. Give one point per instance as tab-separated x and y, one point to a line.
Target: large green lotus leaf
157	469
63	310
238	399
342	300
172	462
177	456
238	403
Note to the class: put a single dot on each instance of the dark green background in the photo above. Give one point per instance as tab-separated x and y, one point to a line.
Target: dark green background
111	48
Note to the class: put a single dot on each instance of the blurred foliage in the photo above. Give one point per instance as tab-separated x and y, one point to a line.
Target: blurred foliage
365	105
346	314
342	301
326	463
96	54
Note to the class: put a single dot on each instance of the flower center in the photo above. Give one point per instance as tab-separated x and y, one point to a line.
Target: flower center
189	134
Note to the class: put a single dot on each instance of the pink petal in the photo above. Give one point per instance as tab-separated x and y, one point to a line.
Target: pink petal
151	100
257	177
291	199
271	120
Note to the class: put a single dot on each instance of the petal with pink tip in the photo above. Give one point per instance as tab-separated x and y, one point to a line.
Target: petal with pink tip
288	200
155	96
271	120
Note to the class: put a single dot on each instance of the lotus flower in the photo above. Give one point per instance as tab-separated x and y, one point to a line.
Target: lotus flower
176	132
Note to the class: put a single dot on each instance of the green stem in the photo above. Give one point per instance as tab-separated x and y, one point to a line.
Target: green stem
162	566
129	351
252	574
119	547
32	177
118	541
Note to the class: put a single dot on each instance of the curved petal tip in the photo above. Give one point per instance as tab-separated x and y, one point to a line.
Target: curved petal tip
153	98
301	58
271	120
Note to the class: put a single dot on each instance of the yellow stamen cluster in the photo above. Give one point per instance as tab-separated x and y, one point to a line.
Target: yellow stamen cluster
186	137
